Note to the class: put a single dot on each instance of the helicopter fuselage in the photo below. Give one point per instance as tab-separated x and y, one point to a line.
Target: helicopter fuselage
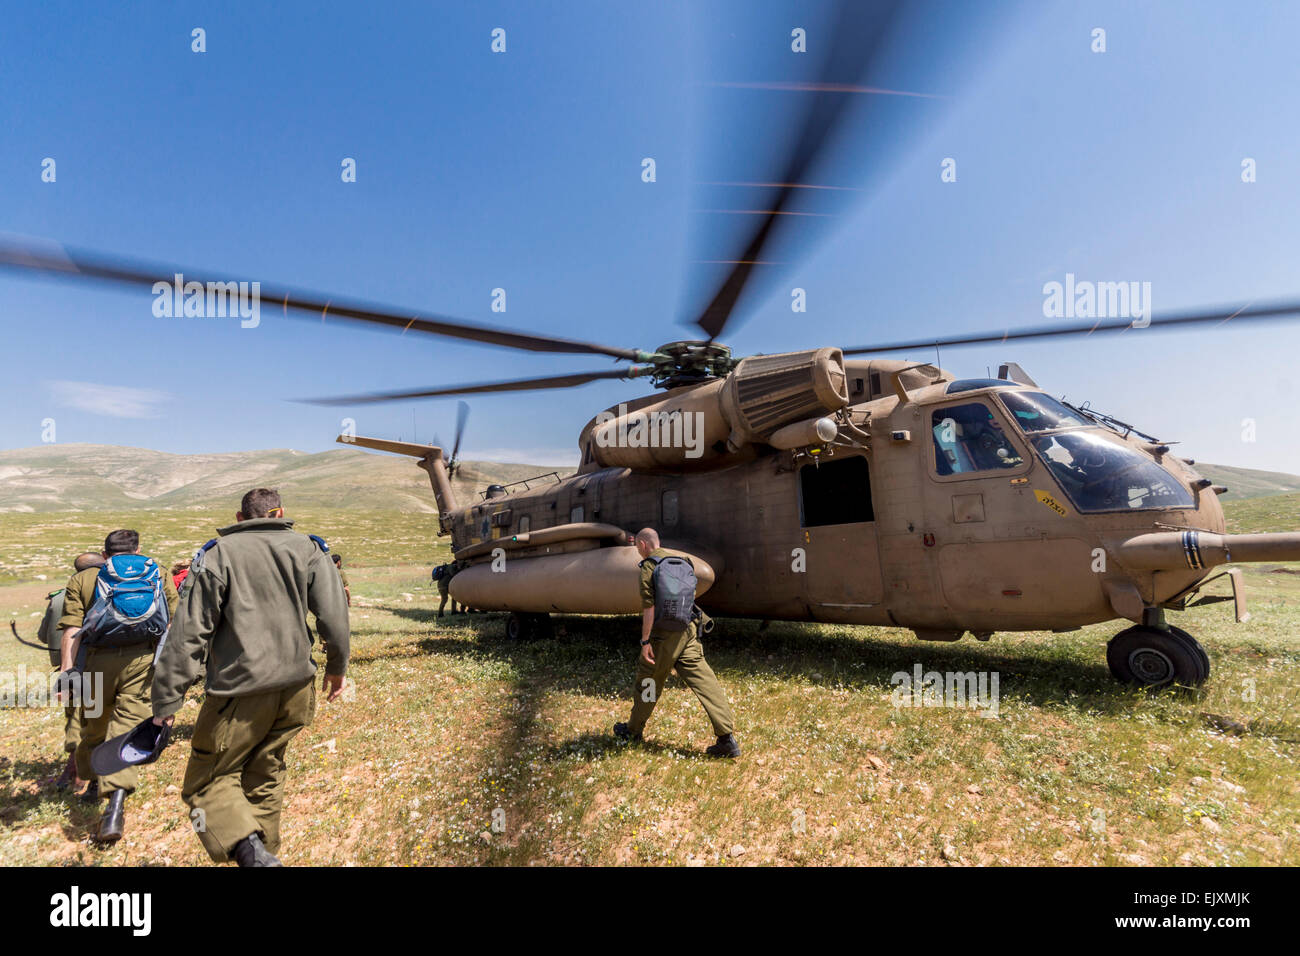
963	512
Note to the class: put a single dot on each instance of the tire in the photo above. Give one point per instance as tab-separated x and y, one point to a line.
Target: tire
527	627
1198	648
517	627
1154	658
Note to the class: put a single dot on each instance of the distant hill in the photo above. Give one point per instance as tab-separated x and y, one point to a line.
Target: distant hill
1249	483
111	478
83	477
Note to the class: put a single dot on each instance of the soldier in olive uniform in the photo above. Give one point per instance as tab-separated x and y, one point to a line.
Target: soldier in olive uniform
662	651
343	576
246	603
444	587
53	639
126	672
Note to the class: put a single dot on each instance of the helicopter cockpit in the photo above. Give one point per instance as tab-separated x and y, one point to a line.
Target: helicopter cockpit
970	438
1097	471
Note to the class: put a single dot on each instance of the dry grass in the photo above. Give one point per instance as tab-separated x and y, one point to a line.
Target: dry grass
451	722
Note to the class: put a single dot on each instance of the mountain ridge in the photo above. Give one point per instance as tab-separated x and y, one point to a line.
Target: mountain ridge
90	477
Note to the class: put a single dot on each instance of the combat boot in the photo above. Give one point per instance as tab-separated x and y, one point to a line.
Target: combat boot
624	732
727	746
91	794
113	822
250	852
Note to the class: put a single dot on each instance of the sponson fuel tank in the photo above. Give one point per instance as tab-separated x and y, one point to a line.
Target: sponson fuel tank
596	581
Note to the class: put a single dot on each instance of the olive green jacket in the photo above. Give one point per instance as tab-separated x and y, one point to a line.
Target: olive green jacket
245	602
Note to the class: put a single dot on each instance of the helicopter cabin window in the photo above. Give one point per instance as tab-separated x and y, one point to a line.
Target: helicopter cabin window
835	492
668	509
525	522
970	439
575	516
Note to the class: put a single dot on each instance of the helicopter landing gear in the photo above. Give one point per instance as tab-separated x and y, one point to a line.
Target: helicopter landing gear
527	627
1156	657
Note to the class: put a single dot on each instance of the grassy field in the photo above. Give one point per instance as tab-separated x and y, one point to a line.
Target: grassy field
450	723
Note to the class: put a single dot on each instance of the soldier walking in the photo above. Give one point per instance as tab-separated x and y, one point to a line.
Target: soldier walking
663	649
443	575
246	603
52	637
114	652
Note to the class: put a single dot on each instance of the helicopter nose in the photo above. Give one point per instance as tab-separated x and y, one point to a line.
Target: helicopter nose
1173	550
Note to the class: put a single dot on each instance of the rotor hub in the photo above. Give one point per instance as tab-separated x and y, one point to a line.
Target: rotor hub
690	362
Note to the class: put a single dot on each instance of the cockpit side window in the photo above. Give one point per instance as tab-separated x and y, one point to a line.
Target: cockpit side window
969	439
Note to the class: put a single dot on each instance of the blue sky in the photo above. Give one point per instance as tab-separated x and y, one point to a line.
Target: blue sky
522	171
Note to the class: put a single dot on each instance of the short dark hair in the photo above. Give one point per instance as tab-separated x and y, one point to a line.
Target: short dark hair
122	541
259	502
338	558
88	559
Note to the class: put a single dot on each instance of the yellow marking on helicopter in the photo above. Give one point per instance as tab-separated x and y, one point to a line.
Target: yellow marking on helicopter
1051	502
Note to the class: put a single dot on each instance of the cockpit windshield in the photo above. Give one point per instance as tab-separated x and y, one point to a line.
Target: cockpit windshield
1036	412
1099	474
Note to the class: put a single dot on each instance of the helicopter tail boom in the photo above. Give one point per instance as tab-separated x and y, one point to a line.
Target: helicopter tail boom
431	460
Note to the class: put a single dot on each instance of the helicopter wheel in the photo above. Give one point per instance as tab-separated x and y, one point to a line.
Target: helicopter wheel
1154	658
527	627
1197	647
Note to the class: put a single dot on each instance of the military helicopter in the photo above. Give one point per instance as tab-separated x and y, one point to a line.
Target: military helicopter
830	484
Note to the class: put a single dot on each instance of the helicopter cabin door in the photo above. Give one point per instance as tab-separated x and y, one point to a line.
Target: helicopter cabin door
841	575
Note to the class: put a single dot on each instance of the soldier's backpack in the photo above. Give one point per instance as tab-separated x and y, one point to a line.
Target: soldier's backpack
674	585
130	604
49	632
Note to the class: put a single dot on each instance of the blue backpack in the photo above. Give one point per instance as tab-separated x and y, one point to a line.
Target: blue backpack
130	604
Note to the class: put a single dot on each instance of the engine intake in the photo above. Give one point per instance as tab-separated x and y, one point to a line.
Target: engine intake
711	425
767	392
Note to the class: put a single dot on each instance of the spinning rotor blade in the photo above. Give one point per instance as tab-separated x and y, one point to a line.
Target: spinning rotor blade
516	385
1275	311
856	39
52	259
462	416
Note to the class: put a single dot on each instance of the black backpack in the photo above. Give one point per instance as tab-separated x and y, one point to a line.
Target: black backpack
674	584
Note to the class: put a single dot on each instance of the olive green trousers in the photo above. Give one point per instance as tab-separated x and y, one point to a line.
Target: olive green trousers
71	729
234	781
683	652
127	674
444	592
